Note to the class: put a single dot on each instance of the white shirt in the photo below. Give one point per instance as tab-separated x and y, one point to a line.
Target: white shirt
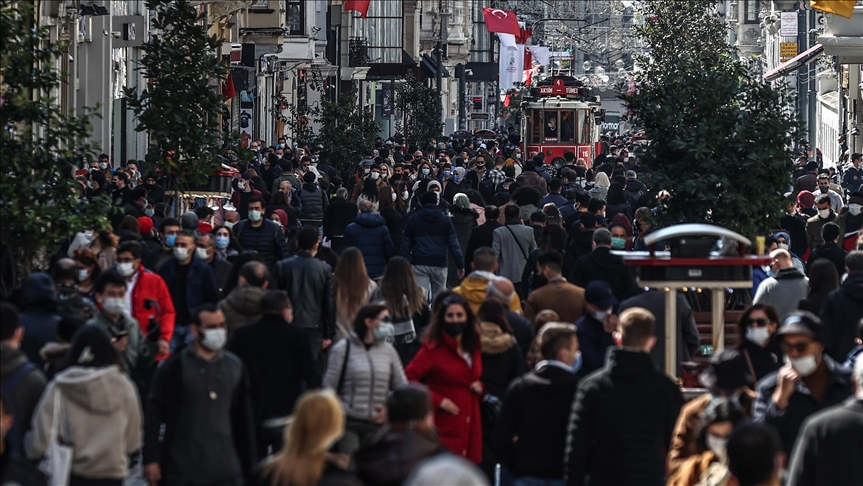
130	287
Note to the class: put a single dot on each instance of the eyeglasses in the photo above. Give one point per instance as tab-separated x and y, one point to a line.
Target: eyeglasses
799	348
760	322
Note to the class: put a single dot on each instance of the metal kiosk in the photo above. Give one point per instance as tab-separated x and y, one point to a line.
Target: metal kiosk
690	263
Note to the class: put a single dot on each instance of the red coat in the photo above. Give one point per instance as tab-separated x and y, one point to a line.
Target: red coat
151	286
447	375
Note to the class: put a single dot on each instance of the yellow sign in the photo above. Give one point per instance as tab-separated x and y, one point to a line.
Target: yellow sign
787	50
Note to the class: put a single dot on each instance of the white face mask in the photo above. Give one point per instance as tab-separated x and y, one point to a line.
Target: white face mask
758	335
181	254
201	253
241	185
375	175
228	224
114	305
214	339
395	196
804	366
601	315
823	213
405	195
125	269
83	274
783	246
717	446
255	216
855	209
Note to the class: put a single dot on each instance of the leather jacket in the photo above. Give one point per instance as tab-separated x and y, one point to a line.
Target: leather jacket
309	284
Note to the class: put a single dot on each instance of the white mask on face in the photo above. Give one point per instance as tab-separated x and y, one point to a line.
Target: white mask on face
255	215
783	246
83	274
201	253
405	195
181	253
823	213
758	335
375	175
717	446
855	209
395	196
601	315
125	269
804	366
214	339
114	305
228	224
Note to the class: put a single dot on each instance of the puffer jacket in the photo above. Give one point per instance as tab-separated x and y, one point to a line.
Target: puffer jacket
242	306
427	237
314	201
371	373
369	234
840	315
473	289
100	414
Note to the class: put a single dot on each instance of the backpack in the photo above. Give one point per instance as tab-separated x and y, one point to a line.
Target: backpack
15	435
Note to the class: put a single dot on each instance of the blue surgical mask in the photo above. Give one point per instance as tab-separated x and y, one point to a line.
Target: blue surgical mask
456	179
618	243
222	242
149	212
426	171
384	332
170	240
579	360
446	173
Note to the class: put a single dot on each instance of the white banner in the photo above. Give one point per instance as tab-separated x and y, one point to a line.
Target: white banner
507	40
541	54
788	25
510	66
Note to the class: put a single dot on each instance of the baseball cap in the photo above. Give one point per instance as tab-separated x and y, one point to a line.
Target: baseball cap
728	371
599	294
801	322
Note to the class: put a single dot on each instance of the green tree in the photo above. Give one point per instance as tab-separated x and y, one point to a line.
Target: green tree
419	104
180	106
40	203
720	137
347	131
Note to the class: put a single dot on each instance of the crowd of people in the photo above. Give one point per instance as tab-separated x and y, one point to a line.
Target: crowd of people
449	314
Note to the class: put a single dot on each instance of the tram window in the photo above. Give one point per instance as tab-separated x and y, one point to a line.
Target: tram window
535	127
567	126
584	134
551	126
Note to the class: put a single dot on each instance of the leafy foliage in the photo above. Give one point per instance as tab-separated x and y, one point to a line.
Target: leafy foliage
347	131
40	203
419	103
721	138
180	108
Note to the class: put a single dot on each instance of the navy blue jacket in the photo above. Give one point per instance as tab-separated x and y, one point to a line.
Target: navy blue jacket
268	240
200	282
556	199
369	234
427	235
593	342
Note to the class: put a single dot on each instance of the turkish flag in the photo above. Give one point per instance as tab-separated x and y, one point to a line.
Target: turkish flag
503	21
228	90
523	36
361	6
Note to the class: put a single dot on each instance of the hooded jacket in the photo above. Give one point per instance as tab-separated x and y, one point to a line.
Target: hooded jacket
369	234
242	306
428	235
784	291
473	289
840	315
502	359
601	264
100	416
38	314
23	395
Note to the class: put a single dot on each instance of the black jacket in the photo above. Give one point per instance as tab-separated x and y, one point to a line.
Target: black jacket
221	269
536	411
15	471
278	359
390	460
268	240
801	404
828	251
480	236
621	423
840	315
25	384
309	283
578	244
38	315
830	447
600	264
796	228
314	201
395	221
369	234
338	215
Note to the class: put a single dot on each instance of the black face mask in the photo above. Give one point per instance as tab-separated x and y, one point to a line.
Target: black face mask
454	329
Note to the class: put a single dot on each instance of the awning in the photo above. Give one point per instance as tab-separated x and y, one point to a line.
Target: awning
429	66
795	62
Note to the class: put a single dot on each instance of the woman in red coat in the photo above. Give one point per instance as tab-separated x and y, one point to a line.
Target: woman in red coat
450	365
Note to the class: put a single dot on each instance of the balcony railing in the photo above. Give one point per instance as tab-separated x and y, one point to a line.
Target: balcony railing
358	52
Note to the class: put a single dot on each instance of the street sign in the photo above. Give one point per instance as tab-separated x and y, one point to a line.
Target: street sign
478	116
787	50
788	24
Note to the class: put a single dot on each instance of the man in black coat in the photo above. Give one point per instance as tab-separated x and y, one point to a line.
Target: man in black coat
830	445
278	358
811	381
600	264
482	235
843	310
623	416
831	250
339	214
262	235
369	234
530	436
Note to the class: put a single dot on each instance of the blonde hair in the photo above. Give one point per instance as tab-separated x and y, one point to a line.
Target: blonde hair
318	422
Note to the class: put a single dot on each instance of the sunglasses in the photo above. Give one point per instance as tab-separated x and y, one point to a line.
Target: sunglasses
760	322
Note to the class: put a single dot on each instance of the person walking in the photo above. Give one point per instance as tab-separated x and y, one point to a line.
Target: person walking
370	235
90	397
362	369
513	243
450	364
843	309
353	289
759	344
558	295
339	214
407	305
623	416
786	288
601	264
242	306
464	220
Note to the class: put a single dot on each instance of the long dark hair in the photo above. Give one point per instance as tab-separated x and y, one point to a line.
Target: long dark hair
370	189
494	312
772	316
369	311
91	348
350	283
399	284
470	339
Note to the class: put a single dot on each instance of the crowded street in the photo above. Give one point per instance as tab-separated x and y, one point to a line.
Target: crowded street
645	275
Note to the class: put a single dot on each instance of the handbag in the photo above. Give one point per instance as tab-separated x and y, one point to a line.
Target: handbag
404	331
489	409
57	464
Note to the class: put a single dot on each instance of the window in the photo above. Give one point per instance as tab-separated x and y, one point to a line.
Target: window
295	17
751	9
383	30
551	126
260	5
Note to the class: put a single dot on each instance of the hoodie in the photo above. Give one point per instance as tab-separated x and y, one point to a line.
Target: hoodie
242	306
473	289
38	314
428	235
100	414
369	234
24	396
784	291
840	315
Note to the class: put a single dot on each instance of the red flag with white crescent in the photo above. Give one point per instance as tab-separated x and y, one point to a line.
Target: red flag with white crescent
503	21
